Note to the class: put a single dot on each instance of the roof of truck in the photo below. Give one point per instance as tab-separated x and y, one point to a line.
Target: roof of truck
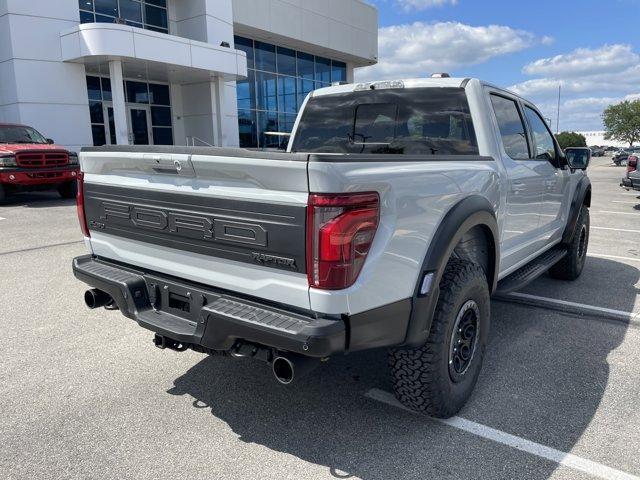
435	82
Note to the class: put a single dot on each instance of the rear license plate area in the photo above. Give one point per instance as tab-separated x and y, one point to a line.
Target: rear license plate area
176	298
179	302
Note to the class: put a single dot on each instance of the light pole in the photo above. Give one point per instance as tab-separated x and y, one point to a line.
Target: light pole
558	117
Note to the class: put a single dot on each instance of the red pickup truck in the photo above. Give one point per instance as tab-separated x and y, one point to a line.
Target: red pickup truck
29	161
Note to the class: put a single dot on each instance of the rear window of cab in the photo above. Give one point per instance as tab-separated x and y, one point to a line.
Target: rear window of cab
416	121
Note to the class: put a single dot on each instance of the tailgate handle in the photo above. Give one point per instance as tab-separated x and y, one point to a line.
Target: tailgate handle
175	168
170	165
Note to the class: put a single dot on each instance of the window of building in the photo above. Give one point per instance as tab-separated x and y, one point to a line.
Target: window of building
278	81
149	14
152	97
511	126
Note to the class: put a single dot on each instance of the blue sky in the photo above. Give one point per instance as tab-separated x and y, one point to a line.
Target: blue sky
591	48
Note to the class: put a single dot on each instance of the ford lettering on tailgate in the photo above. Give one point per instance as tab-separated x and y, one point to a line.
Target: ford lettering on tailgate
175	222
251	232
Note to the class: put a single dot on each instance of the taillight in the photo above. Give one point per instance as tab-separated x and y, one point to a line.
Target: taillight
82	218
632	163
340	231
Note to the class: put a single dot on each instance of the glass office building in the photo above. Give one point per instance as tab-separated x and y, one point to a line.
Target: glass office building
278	81
148	14
182	72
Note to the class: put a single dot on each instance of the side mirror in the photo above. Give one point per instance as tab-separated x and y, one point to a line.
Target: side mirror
578	157
50	141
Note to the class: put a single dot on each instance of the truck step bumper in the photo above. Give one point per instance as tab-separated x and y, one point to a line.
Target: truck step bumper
205	317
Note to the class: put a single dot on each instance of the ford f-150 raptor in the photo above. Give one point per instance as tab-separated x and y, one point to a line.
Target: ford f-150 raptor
398	209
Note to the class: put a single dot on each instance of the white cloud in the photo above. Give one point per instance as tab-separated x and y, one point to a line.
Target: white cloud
547	40
409	5
591	79
581	114
588	84
419	49
585	61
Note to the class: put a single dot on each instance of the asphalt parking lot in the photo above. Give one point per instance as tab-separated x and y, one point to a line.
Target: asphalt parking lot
84	394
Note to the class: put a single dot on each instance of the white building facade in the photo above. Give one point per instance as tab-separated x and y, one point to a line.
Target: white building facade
596	137
174	72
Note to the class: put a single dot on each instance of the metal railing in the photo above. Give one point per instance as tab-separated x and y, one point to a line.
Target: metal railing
193	141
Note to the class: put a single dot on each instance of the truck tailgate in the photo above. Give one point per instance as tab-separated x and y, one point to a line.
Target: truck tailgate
228	218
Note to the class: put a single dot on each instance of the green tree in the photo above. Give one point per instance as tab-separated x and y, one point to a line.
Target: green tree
571	139
622	122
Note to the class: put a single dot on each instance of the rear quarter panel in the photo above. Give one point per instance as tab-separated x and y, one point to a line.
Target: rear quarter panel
415	197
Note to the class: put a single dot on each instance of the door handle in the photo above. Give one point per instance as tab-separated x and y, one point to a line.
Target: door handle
518	187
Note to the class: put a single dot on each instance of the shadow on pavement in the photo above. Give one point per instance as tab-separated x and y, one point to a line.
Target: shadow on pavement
36	200
603	283
544	377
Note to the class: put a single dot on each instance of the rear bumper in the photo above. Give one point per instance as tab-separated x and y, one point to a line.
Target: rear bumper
26	177
217	320
205	317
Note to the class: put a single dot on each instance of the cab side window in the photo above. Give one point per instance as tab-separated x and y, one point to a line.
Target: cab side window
511	126
544	147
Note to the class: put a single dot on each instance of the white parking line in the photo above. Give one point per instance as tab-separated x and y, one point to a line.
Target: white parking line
583	308
616	229
615	213
2	218
625	201
602	255
561	458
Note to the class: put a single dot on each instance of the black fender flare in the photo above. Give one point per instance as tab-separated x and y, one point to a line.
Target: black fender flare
470	212
581	196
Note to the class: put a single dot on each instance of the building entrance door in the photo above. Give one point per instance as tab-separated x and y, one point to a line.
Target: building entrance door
139	125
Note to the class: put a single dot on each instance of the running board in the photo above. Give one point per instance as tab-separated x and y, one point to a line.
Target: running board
532	270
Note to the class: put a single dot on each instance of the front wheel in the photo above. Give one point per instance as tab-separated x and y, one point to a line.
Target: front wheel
570	267
438	377
68	189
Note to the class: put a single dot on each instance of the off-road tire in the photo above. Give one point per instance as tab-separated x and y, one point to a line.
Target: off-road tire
570	267
68	189
422	378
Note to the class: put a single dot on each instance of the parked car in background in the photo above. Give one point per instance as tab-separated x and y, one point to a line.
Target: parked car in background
597	151
621	156
632	178
29	161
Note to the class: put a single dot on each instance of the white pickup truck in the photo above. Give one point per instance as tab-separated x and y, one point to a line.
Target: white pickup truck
398	209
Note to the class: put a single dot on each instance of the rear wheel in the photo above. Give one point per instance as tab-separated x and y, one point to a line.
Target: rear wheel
438	377
68	189
570	267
